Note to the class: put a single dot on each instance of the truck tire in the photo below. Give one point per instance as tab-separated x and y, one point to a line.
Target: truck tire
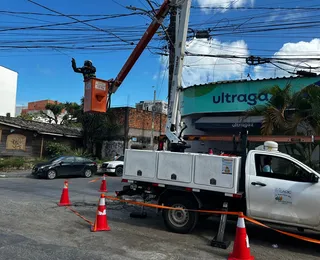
179	221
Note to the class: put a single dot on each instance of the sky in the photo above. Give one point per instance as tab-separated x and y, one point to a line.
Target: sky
39	44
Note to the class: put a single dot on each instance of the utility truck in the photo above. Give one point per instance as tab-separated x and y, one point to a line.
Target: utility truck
264	183
284	192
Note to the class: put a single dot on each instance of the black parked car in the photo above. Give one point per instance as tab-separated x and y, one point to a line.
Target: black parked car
65	166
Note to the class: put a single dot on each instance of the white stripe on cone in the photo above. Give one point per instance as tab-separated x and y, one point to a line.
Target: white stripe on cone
240	223
102	202
104	177
104	212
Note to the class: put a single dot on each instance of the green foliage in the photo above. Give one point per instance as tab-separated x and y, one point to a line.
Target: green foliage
96	127
288	113
19	163
56	109
73	113
275	118
80	152
11	162
54	149
26	116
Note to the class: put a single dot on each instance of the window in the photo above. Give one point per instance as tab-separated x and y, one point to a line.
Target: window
121	158
79	160
68	160
281	168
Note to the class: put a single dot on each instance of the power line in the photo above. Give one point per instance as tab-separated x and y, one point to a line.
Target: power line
76	15
79	21
255	8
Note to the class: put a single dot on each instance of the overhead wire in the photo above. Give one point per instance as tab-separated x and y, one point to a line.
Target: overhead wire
79	21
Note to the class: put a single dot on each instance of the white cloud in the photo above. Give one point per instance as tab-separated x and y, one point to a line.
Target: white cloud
223	3
200	70
292	50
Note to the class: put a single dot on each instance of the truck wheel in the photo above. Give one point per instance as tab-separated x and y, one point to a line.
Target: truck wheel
180	221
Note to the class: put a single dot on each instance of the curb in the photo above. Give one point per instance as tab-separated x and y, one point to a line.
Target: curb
15	175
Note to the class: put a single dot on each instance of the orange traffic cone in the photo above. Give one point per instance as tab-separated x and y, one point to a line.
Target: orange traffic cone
103	187
64	200
241	247
101	222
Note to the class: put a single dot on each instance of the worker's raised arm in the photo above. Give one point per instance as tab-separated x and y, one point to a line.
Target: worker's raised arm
74	66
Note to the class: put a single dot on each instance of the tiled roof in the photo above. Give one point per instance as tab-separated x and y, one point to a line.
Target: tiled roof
41	128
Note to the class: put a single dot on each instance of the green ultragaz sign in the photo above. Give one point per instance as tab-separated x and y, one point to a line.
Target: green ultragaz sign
235	96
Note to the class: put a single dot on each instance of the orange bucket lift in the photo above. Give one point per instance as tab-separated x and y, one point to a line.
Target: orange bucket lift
96	95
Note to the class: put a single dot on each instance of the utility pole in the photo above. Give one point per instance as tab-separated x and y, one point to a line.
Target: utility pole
171	44
153	116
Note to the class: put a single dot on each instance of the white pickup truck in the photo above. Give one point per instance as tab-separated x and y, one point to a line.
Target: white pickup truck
270	185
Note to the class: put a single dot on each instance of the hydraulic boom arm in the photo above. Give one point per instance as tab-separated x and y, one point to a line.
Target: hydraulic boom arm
174	126
143	43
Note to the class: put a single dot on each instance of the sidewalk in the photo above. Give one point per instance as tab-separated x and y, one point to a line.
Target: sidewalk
15	174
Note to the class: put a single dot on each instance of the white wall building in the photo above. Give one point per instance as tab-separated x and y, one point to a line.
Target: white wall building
8	90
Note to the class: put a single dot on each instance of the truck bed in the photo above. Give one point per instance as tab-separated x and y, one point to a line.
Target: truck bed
190	170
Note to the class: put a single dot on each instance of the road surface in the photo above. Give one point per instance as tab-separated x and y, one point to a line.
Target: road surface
33	227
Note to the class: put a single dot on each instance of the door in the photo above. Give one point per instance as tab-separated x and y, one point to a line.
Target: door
79	165
283	191
66	167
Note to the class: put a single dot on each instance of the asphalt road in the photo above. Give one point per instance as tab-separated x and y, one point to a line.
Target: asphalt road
33	227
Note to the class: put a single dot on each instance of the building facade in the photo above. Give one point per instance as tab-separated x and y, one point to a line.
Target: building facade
218	109
8	89
135	128
24	138
158	105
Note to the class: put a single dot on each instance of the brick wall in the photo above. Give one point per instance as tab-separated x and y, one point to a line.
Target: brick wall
140	119
119	114
37	105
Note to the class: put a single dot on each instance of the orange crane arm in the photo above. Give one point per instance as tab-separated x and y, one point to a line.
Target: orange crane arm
143	43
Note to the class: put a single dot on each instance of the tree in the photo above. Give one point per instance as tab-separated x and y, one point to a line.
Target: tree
73	113
294	114
54	111
306	103
276	120
26	116
96	127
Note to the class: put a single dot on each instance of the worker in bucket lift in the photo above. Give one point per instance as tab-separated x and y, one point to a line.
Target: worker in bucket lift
88	70
210	151
267	164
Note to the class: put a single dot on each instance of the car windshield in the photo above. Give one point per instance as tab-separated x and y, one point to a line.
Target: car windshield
121	158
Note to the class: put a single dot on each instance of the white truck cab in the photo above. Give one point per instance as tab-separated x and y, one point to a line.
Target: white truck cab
286	192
